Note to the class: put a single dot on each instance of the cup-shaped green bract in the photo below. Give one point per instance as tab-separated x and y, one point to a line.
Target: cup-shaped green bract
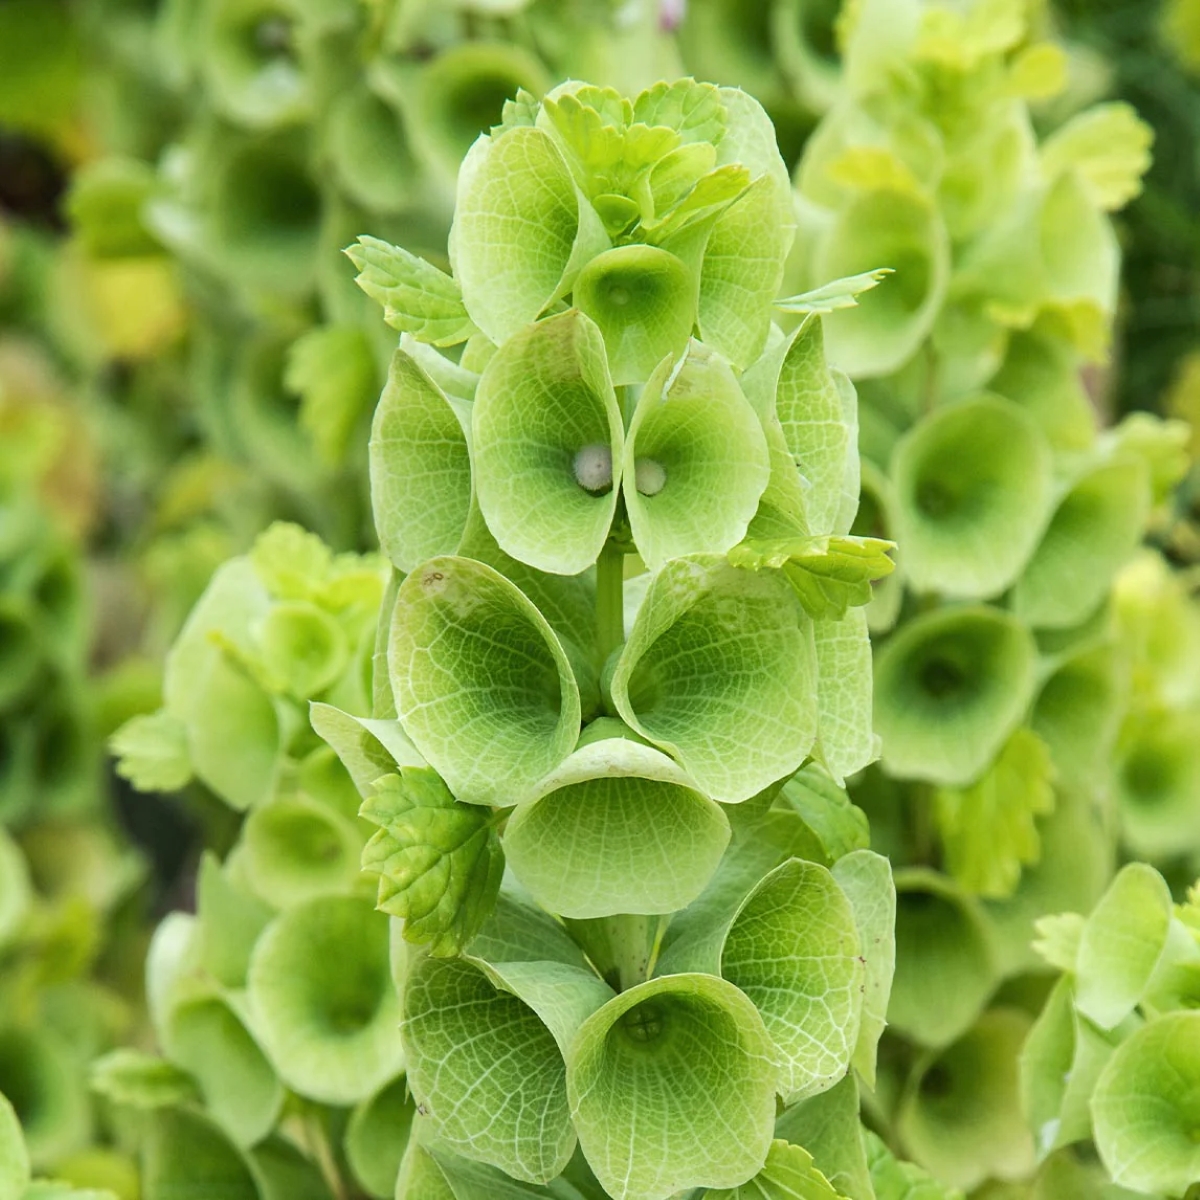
323	1002
241	1091
264	220
249	63
522	230
15	888
644	301
794	949
546	435
461	92
43	1082
901	230
184	1150
304	647
294	848
1146	1107
672	1086
616	828
961	1117
950	687
377	1135
1095	528
696	460
370	152
972	487
20	648
486	1070
944	963
420	466
720	671
482	684
1157	781
1121	944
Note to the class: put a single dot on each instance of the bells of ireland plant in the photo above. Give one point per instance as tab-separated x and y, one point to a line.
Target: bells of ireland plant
622	670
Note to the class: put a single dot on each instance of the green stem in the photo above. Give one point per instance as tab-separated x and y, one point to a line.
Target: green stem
610	601
623	947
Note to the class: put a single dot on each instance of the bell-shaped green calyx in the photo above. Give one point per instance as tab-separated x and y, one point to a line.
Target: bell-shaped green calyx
643	300
950	687
1157	776
439	861
845	740
420	466
370	152
547	435
240	1089
961	1117
945	968
738	713
1094	530
14	1157
322	999
899	229
41	1079
695	460
616	828
794	949
482	684
185	1150
486	1070
377	1137
294	848
303	647
248	59
972	493
672	1086
522	230
1121	945
1145	1107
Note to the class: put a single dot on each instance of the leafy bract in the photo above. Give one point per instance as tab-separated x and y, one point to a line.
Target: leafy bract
1110	148
841	293
420	466
950	688
694	428
617	827
719	671
672	1085
439	861
486	1070
972	488
895	1180
521	230
788	1174
152	752
829	574
988	829
482	684
138	1080
544	409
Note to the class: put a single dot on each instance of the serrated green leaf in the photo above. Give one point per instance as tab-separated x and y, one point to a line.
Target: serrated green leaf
988	829
829	573
694	110
823	805
152	752
829	1128
1058	939
841	293
332	370
439	861
896	1180
788	1174
1109	145
368	748
416	297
